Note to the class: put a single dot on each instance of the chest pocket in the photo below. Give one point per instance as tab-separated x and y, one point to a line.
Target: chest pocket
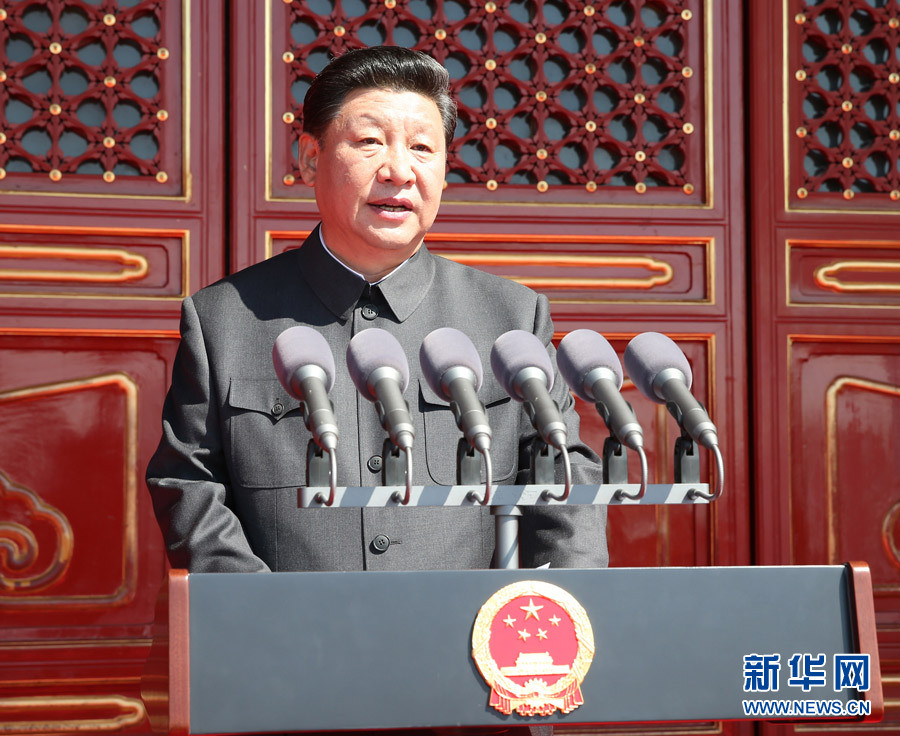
442	435
266	435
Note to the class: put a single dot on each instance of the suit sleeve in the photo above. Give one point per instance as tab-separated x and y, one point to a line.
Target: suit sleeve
187	476
564	536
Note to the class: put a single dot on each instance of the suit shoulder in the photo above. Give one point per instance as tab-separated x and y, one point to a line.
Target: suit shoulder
255	280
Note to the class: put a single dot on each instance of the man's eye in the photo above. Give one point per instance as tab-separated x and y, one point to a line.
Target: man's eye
422	147
369	141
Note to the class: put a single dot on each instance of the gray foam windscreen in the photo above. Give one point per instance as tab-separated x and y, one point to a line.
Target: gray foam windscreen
299	346
580	352
446	348
371	349
650	353
515	350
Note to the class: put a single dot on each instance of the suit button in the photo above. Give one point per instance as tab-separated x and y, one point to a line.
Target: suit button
369	312
278	408
374	463
380	543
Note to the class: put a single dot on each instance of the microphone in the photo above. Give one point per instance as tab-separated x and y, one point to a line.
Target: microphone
662	373
452	368
590	366
305	367
521	364
380	372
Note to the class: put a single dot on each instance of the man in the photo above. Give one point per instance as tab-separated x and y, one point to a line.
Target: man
377	124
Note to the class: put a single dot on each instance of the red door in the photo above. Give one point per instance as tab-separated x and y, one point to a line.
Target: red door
825	196
111	211
147	147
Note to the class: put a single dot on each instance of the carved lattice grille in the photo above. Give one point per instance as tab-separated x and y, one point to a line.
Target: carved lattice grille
844	82
555	96
84	88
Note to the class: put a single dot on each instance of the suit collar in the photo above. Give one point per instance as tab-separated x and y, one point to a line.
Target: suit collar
337	287
406	287
340	289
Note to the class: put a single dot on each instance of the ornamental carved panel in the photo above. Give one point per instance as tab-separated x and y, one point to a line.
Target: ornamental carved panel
845	273
77	535
91	97
843	83
137	263
559	100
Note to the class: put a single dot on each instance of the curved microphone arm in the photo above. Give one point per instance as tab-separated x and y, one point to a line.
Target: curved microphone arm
720	478
488	478
567	469
332	478
403	500
620	494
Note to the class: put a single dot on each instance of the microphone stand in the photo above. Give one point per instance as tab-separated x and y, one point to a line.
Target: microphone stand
543	467
393	467
396	468
506	528
687	464
687	460
468	464
506	518
615	461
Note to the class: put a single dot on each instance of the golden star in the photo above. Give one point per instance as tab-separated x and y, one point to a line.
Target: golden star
555	620
531	610
541	634
509	621
523	635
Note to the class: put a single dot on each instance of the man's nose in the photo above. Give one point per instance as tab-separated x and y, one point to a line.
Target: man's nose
397	166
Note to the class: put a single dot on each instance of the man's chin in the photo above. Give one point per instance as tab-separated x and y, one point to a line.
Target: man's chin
394	239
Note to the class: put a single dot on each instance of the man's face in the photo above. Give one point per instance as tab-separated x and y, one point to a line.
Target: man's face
378	175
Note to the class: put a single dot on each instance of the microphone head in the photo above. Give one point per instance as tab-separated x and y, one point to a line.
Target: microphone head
650	353
582	351
512	352
446	348
297	347
371	349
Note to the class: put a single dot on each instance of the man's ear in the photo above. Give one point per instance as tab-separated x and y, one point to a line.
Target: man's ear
309	154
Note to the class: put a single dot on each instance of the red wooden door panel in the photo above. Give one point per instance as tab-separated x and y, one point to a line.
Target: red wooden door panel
111	138
824	199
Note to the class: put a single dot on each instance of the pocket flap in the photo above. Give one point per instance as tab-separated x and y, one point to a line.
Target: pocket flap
266	396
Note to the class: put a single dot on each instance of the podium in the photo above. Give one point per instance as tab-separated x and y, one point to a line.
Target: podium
255	653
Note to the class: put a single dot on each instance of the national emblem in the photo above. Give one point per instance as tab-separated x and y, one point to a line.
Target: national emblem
533	644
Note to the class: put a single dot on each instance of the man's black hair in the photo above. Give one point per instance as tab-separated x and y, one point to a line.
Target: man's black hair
377	67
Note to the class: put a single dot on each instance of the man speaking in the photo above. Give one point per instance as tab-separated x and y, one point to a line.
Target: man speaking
377	125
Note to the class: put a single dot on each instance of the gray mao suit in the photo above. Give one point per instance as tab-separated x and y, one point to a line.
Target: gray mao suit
225	476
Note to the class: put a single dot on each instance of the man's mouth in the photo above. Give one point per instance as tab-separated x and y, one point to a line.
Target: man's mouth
392	205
